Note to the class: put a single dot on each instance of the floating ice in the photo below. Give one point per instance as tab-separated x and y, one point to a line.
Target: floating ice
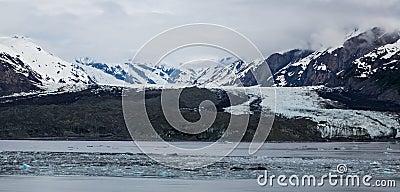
165	174
25	166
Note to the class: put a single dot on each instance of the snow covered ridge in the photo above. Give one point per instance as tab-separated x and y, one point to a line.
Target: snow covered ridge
52	73
360	56
386	54
127	73
50	70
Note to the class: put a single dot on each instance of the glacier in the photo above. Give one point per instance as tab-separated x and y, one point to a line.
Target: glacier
333	121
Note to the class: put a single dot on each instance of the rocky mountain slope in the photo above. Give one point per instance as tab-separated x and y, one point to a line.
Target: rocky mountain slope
366	65
15	76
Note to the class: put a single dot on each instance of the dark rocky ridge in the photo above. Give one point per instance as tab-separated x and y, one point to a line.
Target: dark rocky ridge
277	61
96	114
13	82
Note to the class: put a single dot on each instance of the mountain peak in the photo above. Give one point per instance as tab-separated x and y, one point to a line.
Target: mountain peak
85	60
371	39
367	63
51	71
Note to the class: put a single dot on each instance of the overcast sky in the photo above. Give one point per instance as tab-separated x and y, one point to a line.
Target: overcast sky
111	31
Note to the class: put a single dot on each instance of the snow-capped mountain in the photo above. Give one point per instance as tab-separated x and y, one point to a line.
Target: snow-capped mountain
361	64
102	73
329	67
50	68
224	74
120	74
27	67
239	73
367	63
40	69
322	67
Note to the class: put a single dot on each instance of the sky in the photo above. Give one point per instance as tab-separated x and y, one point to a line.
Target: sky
114	30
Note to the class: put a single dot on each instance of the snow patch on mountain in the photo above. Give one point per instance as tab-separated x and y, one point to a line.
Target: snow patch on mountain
364	66
295	70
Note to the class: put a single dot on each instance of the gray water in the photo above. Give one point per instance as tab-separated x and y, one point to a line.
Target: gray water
120	165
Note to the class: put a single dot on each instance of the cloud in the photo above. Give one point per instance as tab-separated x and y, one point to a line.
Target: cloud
82	8
109	30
